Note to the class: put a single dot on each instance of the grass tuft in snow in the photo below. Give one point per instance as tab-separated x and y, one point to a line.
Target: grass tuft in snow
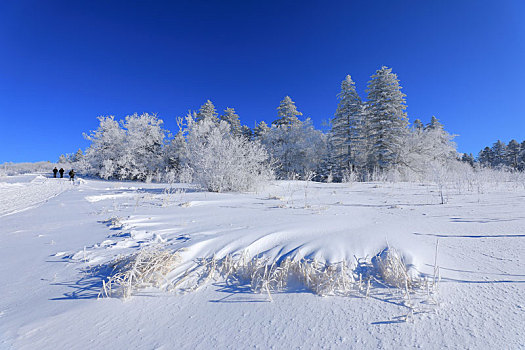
146	268
392	269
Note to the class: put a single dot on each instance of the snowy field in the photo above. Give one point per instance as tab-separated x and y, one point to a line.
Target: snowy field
56	238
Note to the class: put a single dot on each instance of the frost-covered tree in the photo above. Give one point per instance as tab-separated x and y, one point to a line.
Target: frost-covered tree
78	156
468	158
521	157
498	152
246	132
287	113
131	149
175	152
434	124
348	133
232	118
223	162
418	125
486	157
387	121
142	156
296	148
425	150
107	143
260	130
512	154
208	112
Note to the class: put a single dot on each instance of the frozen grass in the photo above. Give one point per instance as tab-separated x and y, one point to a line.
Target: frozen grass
391	267
146	268
154	267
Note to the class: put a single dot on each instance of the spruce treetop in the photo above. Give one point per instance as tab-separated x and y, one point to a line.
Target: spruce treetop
207	111
287	113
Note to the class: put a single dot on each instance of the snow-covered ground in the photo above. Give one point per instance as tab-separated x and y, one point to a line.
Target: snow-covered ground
53	234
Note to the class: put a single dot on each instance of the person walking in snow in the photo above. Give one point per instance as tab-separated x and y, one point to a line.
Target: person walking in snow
72	175
55	171
61	171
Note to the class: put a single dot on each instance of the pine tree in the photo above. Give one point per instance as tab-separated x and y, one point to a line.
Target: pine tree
287	113
512	154
348	132
418	125
207	111
246	132
77	157
468	158
486	157
387	120
260	130
232	118
434	124
498	151
521	158
175	152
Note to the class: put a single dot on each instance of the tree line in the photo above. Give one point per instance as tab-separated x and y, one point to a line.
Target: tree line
367	138
511	155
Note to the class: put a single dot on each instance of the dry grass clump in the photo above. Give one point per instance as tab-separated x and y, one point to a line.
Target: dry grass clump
146	268
265	276
149	268
392	269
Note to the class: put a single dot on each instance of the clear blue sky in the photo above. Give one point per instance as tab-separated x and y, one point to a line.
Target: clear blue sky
63	63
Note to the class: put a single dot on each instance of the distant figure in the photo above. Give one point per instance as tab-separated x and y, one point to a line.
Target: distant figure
55	171
72	175
61	171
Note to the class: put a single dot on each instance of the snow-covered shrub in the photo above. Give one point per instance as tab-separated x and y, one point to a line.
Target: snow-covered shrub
221	161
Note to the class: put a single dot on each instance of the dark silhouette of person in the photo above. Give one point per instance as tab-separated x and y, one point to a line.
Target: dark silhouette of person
72	175
55	171
61	171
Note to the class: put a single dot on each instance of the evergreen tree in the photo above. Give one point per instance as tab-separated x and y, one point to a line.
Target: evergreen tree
208	112
512	154
260	130
486	157
468	158
232	118
388	123
175	152
434	124
77	157
348	132
498	151
287	113
418	125
246	132
521	157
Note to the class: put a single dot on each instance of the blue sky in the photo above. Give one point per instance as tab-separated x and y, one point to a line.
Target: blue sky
63	63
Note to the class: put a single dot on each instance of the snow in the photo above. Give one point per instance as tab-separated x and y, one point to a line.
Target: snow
53	233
